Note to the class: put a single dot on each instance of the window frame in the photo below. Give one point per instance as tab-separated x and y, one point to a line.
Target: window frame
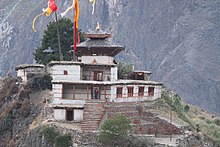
65	72
131	93
141	90
151	91
119	95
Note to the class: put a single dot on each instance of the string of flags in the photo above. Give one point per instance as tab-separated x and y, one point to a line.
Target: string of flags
93	5
52	7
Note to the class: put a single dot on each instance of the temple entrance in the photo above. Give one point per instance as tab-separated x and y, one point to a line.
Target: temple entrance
69	115
98	76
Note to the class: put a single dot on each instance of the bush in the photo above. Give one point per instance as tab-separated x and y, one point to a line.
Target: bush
26	107
217	122
9	88
49	134
208	121
40	82
186	108
166	97
5	123
63	141
115	131
217	143
177	103
54	137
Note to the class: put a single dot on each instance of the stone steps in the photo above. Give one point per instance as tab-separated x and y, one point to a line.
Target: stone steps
93	114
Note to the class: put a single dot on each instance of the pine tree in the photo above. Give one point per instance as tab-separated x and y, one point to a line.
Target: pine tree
49	49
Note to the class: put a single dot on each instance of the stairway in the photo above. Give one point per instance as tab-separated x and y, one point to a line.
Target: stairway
93	114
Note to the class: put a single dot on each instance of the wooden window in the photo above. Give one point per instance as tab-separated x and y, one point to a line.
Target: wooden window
141	91
150	91
119	92
69	115
68	91
130	91
98	76
65	72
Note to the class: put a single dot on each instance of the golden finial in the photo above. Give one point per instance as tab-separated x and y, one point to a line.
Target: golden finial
97	27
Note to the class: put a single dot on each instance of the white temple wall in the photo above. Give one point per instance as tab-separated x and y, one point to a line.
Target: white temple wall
78	115
98	59
114	73
73	72
59	114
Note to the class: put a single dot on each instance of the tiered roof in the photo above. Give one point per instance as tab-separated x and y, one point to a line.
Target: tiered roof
97	43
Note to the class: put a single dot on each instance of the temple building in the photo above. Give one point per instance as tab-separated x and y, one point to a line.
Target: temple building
82	86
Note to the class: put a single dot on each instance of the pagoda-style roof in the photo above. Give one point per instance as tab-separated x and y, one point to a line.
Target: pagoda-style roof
97	43
98	35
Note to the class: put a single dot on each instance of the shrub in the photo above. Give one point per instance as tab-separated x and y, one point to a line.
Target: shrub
26	107
115	131
202	117
9	88
40	82
166	97
177	103
186	108
63	141
208	121
217	143
49	134
217	122
5	123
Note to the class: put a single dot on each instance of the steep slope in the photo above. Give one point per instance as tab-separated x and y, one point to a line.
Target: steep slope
178	40
25	113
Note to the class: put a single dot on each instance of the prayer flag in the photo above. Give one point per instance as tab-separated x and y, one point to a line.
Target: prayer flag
76	18
93	5
51	7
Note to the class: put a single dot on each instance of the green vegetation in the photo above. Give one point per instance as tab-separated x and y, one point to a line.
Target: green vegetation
40	82
209	126
49	134
186	108
115	131
217	121
212	131
54	137
63	141
125	70
175	102
9	88
49	49
177	106
5	123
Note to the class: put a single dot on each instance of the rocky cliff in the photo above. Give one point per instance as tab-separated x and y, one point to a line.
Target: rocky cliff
177	40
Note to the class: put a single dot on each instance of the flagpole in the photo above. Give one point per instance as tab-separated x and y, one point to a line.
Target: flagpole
74	41
58	36
74	33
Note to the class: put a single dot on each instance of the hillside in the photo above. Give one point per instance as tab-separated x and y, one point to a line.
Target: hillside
25	114
177	40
